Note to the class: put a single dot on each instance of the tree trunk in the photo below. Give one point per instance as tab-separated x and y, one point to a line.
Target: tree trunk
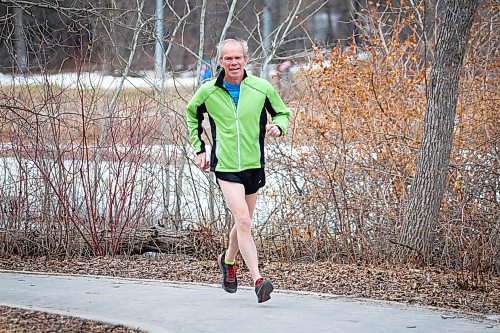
427	188
21	50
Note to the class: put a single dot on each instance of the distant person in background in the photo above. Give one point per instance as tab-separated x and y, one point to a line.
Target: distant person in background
284	76
237	105
206	71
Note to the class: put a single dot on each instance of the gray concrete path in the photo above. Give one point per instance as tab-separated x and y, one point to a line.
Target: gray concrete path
158	306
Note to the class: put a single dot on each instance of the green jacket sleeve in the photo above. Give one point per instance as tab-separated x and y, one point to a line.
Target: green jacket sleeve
277	109
194	119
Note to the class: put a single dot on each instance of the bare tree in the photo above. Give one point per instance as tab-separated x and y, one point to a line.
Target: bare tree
21	52
416	236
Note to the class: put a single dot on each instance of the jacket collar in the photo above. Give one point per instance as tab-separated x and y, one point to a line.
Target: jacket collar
220	79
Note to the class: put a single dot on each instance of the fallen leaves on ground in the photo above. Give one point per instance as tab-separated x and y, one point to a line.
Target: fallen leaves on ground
429	287
15	320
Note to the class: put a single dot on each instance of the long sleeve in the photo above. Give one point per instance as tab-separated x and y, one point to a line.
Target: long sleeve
278	110
194	119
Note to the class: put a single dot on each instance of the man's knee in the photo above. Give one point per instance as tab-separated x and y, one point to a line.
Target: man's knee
243	224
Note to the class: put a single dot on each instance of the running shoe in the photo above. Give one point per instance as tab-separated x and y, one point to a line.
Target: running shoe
229	280
263	289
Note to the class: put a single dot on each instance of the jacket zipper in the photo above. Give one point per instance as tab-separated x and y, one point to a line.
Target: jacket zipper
235	111
237	132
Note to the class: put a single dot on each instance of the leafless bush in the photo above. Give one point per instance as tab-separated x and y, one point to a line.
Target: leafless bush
85	169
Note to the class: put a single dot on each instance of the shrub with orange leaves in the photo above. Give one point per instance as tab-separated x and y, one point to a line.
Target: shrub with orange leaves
357	125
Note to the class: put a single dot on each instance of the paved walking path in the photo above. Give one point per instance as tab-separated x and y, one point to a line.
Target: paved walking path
159	306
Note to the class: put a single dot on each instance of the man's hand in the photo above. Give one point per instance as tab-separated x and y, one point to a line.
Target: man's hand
273	130
201	162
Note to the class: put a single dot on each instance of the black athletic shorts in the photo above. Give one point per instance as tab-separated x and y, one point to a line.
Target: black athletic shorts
252	179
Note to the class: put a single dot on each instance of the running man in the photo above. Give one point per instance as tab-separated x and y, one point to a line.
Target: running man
236	104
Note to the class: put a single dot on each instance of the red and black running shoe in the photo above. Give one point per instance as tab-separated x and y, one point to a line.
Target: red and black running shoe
263	289
229	280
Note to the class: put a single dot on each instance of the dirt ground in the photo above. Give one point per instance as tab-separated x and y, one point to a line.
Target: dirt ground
429	287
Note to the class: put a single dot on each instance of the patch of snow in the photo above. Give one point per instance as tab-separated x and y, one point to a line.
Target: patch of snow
92	80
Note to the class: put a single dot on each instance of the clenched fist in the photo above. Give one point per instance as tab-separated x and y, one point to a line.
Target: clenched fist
201	162
273	130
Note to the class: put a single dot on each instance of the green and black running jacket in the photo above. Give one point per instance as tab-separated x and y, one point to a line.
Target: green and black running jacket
237	132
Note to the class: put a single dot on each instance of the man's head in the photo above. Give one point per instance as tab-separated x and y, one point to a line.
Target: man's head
233	58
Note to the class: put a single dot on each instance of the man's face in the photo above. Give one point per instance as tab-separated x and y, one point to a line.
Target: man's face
233	61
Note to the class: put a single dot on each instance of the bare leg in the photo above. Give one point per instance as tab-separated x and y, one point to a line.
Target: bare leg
233	248
240	238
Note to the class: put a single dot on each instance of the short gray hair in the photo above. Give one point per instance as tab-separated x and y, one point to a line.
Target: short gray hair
243	44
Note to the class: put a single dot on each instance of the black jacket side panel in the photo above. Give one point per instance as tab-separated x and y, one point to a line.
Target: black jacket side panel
213	156
199	115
